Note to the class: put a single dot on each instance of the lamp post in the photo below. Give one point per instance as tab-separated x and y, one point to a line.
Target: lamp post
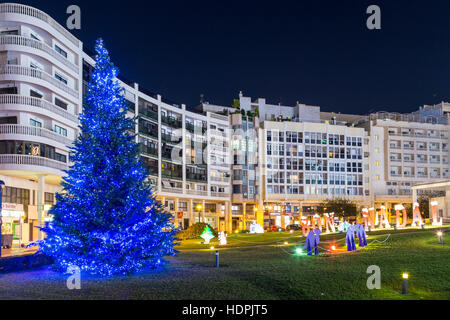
199	209
2	183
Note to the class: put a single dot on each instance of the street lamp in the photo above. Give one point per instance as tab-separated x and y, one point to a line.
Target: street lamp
199	209
2	183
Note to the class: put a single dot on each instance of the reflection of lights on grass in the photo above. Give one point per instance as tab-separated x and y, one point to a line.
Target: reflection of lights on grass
298	251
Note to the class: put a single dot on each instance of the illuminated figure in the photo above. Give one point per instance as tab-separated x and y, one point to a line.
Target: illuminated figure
373	218
222	238
361	234
312	241
207	235
256	228
350	238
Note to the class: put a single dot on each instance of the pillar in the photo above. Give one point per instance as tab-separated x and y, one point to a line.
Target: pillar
191	215
282	216
203	211
228	218
244	214
176	219
40	204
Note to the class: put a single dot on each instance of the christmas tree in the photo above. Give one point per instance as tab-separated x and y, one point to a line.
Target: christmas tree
107	221
207	235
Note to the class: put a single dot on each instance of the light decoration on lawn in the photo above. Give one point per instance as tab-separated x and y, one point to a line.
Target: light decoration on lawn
207	235
417	217
439	234
256	228
399	208
434	214
299	251
333	248
383	221
222	238
305	226
312	242
361	234
365	215
317	222
350	238
329	222
373	218
107	221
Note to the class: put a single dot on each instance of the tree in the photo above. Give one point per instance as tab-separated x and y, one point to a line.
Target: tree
341	207
107	221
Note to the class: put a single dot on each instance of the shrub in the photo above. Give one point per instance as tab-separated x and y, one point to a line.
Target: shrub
194	231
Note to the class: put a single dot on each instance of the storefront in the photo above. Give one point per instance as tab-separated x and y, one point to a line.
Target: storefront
13	216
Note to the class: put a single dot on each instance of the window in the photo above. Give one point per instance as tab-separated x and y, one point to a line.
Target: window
60	157
35	123
16	195
60	130
8	120
8	90
49	198
34	37
35	94
60	51
61	103
377	163
61	78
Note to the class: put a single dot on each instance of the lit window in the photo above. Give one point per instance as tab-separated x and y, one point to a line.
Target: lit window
377	163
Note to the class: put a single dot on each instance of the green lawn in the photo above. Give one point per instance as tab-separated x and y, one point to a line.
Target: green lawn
261	270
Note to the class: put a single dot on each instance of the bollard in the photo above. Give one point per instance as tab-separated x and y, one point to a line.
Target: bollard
217	259
405	283
440	237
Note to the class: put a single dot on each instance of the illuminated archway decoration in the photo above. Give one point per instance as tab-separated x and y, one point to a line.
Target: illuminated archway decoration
373	218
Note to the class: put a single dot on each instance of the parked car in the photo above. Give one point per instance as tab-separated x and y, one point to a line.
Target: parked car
293	227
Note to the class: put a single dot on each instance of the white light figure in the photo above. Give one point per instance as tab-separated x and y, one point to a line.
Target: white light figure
222	238
436	221
256	228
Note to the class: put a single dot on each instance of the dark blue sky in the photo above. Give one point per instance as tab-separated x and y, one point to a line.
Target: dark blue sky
317	52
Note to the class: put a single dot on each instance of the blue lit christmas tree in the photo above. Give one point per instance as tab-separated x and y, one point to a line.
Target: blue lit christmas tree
107	221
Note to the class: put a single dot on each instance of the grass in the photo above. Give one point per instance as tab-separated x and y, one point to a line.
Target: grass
259	270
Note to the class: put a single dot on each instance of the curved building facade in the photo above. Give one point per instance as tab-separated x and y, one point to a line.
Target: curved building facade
40	68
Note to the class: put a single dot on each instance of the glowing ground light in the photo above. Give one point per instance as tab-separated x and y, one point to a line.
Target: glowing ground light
212	248
333	248
298	251
286	243
439	234
405	276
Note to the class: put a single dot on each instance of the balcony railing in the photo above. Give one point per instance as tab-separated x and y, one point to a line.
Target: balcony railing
32	160
38	14
34	131
220	179
170	138
172	122
197	192
220	194
38	74
148	114
38	103
39	45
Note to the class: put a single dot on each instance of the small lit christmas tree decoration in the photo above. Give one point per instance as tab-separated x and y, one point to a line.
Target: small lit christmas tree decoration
107	221
207	235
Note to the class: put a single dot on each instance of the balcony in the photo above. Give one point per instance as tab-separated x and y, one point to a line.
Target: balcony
220	179
172	139
37	74
197	192
196	177
220	194
24	160
148	151
172	175
37	103
151	115
147	133
38	45
171	122
34	131
38	14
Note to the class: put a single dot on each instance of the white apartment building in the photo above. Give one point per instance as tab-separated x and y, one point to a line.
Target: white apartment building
40	69
407	149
